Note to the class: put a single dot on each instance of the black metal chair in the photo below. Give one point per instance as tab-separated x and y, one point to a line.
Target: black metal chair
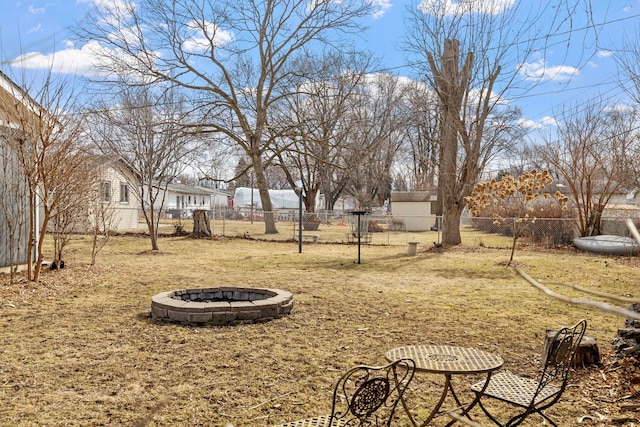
365	396
534	396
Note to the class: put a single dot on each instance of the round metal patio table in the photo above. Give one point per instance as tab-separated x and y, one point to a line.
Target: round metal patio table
448	360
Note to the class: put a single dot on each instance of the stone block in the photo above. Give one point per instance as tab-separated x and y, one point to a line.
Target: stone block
170	303
286	309
218	306
241	296
258	296
222	317
249	315
178	316
158	312
242	305
197	307
206	317
267	310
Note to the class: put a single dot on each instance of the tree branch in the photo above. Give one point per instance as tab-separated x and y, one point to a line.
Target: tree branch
578	301
596	293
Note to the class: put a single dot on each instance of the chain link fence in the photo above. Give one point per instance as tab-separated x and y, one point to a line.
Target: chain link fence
379	227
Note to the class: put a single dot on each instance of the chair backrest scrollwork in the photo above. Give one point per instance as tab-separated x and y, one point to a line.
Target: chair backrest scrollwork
368	396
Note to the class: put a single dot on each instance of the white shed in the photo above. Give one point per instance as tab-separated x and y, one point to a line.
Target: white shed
414	209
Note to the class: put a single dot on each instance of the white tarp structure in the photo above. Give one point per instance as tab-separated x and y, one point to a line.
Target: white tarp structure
280	199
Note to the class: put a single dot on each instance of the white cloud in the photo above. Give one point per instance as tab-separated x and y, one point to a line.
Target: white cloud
540	70
110	4
549	121
35	29
546	121
604	53
83	61
461	7
36	10
380	7
529	124
115	11
620	108
198	36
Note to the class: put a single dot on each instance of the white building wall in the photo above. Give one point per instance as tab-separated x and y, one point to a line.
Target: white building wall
125	212
416	215
414	209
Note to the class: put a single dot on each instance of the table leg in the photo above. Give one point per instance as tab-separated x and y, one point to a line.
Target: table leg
406	409
436	409
404	402
467	408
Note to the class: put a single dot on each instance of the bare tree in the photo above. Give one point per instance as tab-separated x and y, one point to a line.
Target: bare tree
74	199
146	132
422	138
588	154
463	49
236	56
314	122
102	220
46	141
623	124
629	63
380	121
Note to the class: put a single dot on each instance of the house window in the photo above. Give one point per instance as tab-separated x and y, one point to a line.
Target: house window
124	192
105	191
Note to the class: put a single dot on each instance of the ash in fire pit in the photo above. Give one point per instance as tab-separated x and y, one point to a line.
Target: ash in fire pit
222	306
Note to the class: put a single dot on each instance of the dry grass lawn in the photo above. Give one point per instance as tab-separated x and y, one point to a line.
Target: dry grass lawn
80	349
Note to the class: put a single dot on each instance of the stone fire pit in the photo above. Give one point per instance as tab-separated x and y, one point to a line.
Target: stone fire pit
221	306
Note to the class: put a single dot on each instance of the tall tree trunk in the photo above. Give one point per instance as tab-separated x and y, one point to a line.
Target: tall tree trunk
451	221
201	226
265	198
310	199
39	257
32	233
153	231
451	83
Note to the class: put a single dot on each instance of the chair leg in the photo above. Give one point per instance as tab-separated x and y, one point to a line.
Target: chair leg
486	412
547	418
519	419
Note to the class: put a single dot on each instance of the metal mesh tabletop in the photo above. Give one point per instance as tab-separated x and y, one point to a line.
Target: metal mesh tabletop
447	359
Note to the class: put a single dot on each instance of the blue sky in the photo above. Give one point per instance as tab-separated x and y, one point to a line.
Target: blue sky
38	28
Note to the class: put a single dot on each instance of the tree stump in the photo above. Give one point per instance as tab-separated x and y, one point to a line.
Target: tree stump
201	227
586	354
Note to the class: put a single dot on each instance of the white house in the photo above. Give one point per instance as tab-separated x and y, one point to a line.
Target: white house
180	200
118	190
